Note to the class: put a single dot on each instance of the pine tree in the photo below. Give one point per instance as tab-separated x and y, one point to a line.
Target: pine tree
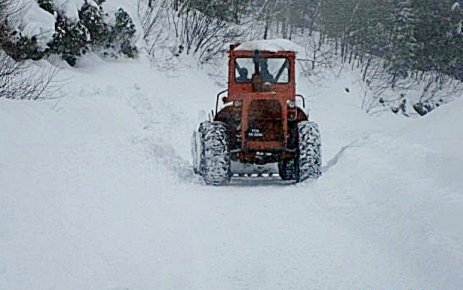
401	57
123	34
69	41
337	19
370	28
456	42
433	35
92	18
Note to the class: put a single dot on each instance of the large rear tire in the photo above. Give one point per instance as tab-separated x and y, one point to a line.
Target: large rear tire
309	158
214	158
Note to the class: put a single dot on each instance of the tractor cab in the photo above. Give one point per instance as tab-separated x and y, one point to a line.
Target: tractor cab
259	70
249	70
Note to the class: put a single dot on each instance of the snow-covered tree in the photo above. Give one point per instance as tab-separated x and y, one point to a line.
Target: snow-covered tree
70	40
401	56
18	79
440	48
123	34
92	18
20	47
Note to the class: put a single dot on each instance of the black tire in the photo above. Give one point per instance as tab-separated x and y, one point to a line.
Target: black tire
309	158
214	161
196	146
195	153
287	169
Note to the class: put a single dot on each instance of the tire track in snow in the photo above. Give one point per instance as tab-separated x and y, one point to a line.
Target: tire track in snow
158	133
357	143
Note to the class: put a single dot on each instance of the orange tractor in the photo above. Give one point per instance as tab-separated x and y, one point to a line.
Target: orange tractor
259	129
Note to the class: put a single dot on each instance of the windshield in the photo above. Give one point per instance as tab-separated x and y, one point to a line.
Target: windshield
274	70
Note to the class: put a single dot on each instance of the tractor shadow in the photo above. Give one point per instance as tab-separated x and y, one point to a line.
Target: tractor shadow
264	181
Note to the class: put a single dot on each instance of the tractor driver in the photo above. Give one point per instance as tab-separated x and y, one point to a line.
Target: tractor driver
243	75
264	73
261	74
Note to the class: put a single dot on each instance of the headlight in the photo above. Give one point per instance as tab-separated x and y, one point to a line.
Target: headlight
291	104
237	103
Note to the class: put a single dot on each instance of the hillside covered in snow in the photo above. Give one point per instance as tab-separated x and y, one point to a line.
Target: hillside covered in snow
97	189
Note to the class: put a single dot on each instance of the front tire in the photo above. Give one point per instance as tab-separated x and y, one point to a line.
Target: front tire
309	158
214	161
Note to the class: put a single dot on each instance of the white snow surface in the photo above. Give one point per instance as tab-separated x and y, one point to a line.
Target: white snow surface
70	8
272	45
37	22
97	192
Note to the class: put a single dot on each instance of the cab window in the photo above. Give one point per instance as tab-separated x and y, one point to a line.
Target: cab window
272	69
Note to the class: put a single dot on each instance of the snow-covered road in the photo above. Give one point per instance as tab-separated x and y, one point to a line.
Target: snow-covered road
97	192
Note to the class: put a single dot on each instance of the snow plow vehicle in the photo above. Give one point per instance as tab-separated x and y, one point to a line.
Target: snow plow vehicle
260	129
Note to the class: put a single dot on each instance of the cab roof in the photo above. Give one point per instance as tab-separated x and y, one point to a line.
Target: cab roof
270	45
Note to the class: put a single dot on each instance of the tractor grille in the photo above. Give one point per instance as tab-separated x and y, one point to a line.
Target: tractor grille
265	121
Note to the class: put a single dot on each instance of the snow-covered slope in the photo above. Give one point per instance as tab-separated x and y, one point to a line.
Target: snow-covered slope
97	192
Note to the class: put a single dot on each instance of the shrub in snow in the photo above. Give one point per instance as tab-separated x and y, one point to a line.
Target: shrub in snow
401	106
92	18
16	45
423	108
123	34
20	47
110	40
70	40
46	5
73	38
